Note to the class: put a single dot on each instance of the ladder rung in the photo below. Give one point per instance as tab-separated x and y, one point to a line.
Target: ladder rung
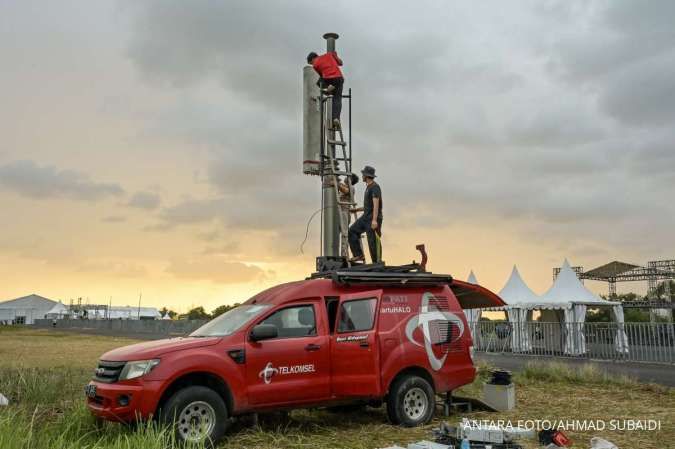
337	142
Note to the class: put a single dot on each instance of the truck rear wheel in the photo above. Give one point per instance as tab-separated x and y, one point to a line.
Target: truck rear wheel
197	414
411	401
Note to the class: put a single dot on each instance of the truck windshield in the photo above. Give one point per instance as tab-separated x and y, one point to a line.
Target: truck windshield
229	321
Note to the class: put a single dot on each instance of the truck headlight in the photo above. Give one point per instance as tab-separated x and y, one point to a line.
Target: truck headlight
137	368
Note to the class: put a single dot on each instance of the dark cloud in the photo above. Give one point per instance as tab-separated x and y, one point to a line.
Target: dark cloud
145	200
642	94
625	54
43	181
550	116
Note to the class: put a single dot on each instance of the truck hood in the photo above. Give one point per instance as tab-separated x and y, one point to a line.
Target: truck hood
152	349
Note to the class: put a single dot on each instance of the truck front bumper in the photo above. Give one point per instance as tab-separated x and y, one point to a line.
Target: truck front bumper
123	401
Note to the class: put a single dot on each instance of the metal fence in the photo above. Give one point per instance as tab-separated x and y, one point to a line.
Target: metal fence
633	342
170	328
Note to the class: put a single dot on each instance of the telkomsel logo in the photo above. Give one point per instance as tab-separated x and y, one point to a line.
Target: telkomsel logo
267	373
270	371
423	320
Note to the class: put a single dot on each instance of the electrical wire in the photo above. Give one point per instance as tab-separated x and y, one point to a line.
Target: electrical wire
307	230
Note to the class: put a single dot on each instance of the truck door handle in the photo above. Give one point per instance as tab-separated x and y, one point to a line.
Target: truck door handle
364	344
312	347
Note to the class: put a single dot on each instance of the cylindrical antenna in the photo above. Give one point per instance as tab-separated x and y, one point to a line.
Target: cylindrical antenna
330	41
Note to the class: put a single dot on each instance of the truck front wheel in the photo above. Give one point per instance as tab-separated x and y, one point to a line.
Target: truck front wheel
198	414
411	401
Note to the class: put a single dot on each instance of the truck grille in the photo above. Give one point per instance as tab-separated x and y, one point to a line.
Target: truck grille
108	372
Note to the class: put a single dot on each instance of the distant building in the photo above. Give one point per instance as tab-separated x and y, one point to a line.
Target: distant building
122	313
27	309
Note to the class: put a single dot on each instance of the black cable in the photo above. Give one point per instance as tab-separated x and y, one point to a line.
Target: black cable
307	230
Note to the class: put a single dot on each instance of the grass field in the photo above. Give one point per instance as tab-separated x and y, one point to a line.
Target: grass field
43	372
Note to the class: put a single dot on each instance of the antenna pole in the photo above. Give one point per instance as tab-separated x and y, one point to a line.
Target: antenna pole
330	222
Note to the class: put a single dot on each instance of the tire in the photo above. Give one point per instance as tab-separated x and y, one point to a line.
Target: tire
411	402
194	407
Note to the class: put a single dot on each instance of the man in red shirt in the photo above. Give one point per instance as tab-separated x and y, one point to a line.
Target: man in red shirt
331	79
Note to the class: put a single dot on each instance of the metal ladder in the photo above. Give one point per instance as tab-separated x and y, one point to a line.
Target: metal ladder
331	163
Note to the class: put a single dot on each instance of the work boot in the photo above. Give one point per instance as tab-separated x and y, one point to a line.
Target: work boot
357	259
336	123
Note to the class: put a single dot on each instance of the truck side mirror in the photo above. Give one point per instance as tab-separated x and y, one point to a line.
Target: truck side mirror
264	332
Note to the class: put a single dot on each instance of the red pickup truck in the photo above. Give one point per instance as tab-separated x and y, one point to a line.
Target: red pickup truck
310	343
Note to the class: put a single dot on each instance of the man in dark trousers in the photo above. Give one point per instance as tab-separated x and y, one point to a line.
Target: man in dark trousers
331	79
370	222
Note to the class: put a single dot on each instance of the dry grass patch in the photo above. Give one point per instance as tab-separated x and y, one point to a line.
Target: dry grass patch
43	348
43	372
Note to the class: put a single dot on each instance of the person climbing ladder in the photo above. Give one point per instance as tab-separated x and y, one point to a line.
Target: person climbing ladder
331	79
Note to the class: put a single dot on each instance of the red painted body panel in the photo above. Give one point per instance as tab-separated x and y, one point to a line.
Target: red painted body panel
152	349
142	402
414	327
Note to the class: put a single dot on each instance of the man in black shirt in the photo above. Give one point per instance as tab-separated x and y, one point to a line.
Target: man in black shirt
370	222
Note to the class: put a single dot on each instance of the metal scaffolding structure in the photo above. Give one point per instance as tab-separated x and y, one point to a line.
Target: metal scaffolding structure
613	272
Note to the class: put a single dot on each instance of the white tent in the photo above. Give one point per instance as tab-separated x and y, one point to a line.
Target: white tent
58	311
520	300
568	288
25	310
569	295
473	315
516	291
123	313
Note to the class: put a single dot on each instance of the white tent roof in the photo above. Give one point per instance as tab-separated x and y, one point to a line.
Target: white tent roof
58	309
124	312
472	278
516	291
568	289
29	302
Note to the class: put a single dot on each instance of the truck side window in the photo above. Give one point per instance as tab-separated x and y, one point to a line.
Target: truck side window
295	321
357	315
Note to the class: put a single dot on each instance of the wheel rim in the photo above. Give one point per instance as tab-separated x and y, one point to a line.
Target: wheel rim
415	403
196	421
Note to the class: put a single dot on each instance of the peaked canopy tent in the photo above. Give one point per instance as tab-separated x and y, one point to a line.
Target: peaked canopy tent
519	297
569	295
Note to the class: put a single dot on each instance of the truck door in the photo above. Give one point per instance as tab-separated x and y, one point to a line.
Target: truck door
295	366
355	354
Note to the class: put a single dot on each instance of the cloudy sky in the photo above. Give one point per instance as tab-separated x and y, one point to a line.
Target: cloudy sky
154	146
